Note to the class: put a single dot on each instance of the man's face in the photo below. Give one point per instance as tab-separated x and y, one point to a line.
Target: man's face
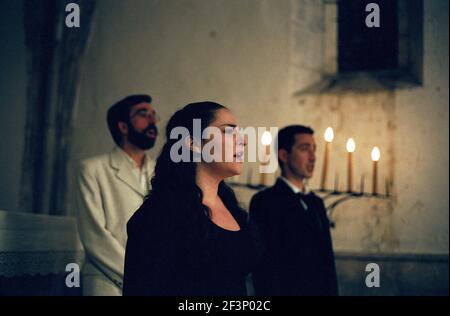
301	160
142	131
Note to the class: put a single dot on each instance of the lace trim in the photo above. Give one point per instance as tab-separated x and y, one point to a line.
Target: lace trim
19	263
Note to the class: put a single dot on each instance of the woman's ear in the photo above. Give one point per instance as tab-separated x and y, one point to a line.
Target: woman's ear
192	145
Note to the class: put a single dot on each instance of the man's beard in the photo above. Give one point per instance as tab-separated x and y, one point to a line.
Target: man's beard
141	139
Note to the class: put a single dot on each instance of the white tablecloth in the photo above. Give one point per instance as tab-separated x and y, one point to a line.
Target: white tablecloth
33	244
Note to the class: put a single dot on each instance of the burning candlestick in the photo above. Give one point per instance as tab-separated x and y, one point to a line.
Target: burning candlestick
351	146
375	158
266	140
329	136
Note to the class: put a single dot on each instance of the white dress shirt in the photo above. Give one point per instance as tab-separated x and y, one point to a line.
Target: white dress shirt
141	174
296	190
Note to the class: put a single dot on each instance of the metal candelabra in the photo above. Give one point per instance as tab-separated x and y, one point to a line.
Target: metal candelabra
326	195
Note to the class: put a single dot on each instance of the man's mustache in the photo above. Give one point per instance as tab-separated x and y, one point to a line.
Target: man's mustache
153	128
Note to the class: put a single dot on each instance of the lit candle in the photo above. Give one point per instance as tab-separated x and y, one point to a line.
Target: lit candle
351	146
266	140
329	136
375	158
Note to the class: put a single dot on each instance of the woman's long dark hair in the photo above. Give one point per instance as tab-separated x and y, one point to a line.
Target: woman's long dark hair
174	183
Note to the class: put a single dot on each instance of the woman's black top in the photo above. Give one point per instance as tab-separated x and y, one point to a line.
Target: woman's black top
166	255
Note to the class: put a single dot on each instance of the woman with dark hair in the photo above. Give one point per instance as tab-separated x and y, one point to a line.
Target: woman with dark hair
190	237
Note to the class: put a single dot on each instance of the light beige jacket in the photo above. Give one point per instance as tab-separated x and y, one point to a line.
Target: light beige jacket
108	193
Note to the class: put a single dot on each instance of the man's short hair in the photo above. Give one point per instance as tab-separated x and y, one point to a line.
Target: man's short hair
286	137
120	112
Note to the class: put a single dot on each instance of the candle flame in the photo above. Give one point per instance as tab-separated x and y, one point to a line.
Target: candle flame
351	146
375	154
266	138
329	135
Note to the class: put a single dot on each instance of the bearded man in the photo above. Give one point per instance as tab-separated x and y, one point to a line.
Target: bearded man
110	187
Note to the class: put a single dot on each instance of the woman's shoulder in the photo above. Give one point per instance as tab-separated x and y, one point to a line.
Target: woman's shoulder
149	214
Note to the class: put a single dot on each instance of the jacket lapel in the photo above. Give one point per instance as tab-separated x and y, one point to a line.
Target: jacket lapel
124	172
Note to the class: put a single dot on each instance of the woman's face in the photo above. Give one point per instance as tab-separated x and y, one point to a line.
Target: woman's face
229	159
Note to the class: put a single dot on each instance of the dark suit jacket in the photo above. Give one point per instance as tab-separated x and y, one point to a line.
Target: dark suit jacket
299	258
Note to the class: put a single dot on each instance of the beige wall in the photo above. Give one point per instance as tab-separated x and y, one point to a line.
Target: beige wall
421	140
254	56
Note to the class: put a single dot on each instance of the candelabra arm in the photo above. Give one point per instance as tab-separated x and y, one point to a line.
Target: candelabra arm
328	194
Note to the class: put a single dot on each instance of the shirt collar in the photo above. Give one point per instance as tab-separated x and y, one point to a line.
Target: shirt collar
132	163
295	188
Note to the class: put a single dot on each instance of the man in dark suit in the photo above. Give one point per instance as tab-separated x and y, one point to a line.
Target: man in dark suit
293	225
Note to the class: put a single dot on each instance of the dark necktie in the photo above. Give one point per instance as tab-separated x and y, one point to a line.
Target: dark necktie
303	200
